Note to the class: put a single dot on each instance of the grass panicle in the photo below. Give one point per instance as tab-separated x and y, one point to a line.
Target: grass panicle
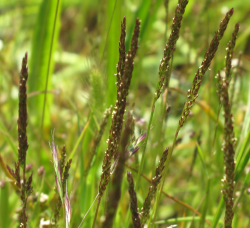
133	201
170	47
193	92
65	176
115	192
152	189
229	56
228	149
57	211
118	112
22	122
229	141
122	54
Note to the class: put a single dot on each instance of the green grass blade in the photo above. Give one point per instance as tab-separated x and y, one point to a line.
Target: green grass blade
146	13
241	153
218	213
206	205
242	164
114	20
4	206
41	66
78	141
9	140
182	219
245	184
202	159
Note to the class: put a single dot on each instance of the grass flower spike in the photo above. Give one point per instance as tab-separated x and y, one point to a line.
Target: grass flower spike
192	93
119	109
124	74
152	189
133	202
170	46
115	192
229	137
25	185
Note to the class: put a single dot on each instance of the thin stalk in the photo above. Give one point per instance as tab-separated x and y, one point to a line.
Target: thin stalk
137	184
96	212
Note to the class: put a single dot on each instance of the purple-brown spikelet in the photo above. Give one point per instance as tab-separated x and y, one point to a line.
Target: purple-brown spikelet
229	49
152	189
118	112
57	210
22	122
137	144
170	46
229	137
65	176
228	149
122	53
63	158
192	93
15	174
133	201
115	192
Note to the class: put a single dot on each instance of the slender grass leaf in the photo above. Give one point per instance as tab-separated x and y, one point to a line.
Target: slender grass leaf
78	141
202	159
114	20
42	42
4	206
9	140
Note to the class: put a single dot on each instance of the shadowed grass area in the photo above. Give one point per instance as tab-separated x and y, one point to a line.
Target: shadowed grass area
137	60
